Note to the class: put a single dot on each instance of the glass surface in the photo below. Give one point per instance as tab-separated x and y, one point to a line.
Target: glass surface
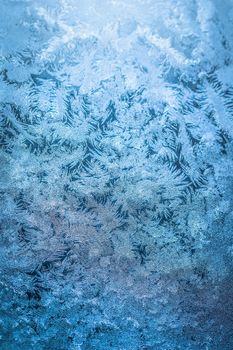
116	165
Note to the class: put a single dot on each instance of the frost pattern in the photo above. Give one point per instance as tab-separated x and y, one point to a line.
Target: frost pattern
116	126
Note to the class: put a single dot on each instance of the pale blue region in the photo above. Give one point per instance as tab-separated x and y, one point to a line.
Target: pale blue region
116	163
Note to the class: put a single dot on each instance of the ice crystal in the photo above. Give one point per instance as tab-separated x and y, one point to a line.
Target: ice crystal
116	163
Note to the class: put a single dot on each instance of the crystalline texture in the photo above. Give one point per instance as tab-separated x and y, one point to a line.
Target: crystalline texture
116	163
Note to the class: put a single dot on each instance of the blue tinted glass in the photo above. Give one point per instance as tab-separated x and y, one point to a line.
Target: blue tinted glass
116	163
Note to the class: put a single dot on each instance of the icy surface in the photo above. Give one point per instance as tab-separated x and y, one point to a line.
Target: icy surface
116	166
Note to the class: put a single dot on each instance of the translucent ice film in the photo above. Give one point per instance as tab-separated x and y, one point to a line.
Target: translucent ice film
116	174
